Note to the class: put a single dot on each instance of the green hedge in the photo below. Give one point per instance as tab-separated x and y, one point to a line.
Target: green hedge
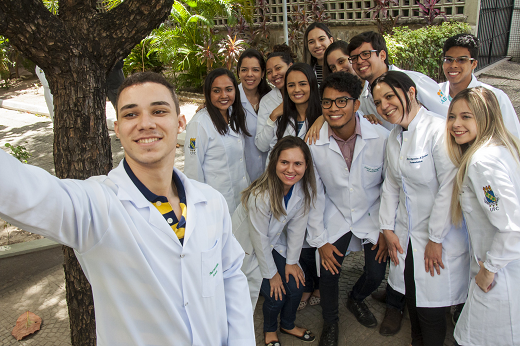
421	50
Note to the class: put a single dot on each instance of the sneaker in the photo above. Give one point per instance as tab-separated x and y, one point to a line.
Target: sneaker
362	312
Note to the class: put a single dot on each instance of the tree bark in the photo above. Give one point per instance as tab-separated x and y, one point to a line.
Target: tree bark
76	49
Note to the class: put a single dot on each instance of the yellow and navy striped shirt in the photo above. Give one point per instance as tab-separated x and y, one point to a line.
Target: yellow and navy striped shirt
162	204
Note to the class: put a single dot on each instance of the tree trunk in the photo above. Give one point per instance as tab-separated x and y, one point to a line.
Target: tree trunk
77	94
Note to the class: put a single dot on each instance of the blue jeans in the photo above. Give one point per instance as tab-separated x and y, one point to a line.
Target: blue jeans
287	306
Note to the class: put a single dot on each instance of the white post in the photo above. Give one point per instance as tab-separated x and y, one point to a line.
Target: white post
285	31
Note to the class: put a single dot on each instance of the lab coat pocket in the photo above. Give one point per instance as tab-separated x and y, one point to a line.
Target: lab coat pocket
421	167
372	175
211	269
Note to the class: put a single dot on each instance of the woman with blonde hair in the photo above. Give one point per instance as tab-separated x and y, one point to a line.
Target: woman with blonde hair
270	225
486	195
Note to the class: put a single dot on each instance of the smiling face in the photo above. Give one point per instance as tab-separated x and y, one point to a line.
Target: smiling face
298	87
389	106
338	61
222	94
250	73
148	125
461	123
341	120
317	43
459	73
275	70
290	167
371	68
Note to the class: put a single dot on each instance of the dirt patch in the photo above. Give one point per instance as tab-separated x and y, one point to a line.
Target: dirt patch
10	235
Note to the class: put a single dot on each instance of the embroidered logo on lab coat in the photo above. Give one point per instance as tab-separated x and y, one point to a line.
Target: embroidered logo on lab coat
192	146
442	96
490	198
214	271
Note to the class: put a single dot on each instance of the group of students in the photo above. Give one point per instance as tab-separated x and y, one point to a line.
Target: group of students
396	165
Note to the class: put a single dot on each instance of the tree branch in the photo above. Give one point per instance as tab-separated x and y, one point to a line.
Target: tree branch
127	25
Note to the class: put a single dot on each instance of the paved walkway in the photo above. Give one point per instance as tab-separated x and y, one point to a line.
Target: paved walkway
43	292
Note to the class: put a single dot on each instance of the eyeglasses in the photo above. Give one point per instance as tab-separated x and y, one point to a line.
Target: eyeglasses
460	60
365	55
341	102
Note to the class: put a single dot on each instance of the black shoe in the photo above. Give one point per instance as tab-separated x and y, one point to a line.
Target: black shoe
392	322
380	296
362	312
329	335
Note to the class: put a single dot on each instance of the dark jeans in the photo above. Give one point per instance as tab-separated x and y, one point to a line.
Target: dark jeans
373	274
308	263
395	299
428	324
287	306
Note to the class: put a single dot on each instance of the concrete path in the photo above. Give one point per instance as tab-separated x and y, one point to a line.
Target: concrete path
35	281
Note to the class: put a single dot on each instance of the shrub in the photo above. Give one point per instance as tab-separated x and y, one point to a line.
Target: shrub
421	50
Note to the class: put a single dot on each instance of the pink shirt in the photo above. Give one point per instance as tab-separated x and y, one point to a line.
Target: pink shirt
347	147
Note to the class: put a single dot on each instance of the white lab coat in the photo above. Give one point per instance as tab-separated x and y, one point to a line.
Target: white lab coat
352	197
255	159
259	232
215	159
289	131
148	288
506	107
415	205
492	318
49	100
428	93
265	134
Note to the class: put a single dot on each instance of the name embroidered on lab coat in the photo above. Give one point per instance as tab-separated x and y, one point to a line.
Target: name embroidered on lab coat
417	159
490	198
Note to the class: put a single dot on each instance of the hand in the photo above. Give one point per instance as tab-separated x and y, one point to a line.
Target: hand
202	106
433	258
313	134
277	112
328	261
373	119
277	286
382	252
485	279
296	272
392	241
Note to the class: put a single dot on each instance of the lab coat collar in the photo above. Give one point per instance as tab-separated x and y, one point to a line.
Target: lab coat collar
127	191
245	102
445	87
414	123
366	87
295	197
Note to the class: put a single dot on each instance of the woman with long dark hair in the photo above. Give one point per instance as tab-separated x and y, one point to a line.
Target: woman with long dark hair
316	39
253	87
301	106
215	153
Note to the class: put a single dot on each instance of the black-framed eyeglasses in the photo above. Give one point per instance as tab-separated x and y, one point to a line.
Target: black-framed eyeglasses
364	55
459	60
341	102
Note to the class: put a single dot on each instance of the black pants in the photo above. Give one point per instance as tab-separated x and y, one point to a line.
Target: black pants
428	324
308	263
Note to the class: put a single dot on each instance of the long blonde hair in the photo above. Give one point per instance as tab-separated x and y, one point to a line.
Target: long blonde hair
490	131
269	182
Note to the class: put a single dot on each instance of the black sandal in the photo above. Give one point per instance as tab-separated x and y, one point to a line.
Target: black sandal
307	335
274	343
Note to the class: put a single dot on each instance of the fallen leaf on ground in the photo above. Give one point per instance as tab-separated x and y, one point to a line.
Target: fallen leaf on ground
26	324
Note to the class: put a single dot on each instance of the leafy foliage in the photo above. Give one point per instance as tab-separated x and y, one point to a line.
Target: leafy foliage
421	50
429	12
19	152
5	61
381	13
